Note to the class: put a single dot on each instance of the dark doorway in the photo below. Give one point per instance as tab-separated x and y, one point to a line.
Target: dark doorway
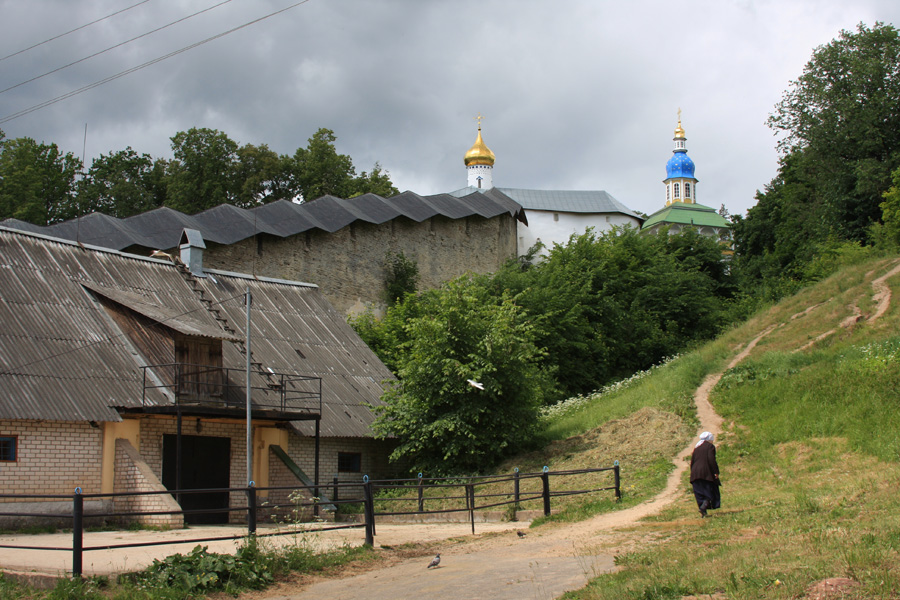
206	464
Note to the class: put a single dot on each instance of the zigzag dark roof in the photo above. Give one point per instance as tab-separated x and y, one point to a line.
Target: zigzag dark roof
227	224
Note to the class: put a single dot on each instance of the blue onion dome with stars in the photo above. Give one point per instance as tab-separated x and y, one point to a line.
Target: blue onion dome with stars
680	165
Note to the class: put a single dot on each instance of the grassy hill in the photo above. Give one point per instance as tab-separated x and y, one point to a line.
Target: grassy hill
810	455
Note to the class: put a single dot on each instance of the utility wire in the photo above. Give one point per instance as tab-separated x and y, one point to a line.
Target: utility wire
120	44
56	37
141	66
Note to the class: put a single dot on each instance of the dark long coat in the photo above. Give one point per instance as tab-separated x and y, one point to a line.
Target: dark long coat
703	463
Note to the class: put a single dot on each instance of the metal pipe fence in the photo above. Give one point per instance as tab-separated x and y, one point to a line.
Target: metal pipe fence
462	496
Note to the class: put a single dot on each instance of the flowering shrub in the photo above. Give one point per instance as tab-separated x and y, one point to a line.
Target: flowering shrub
555	411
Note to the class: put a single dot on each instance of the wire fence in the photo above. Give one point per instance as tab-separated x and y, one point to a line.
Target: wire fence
301	506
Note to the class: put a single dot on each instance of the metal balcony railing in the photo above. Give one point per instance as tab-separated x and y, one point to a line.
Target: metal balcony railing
223	387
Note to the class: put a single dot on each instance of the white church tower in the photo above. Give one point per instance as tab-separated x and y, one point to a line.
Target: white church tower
681	185
480	163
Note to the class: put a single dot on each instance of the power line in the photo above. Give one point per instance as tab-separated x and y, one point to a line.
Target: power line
81	60
141	66
56	37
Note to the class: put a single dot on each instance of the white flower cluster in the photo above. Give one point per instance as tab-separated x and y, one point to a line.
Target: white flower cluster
548	413
885	352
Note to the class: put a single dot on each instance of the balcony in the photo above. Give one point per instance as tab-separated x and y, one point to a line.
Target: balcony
212	390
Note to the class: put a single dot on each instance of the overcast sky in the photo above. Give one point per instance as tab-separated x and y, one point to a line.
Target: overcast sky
579	94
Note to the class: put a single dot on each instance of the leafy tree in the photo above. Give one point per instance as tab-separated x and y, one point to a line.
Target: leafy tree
444	424
842	113
402	276
37	182
388	336
203	172
840	140
264	176
321	171
122	184
377	181
891	211
606	305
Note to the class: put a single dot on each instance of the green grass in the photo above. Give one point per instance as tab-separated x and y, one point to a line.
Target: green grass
668	387
809	463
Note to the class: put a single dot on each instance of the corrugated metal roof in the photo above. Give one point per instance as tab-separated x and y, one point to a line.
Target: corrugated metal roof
181	323
576	201
227	224
63	358
687	214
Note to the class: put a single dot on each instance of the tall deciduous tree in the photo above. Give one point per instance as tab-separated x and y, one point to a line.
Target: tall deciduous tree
122	184
891	210
842	114
203	172
609	304
321	171
444	424
839	133
37	182
264	176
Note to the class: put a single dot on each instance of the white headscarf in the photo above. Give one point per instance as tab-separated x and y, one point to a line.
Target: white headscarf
705	437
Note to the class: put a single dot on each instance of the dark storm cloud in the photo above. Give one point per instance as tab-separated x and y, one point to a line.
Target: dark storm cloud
576	95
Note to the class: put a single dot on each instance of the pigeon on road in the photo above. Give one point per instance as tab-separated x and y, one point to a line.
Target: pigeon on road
435	561
520	533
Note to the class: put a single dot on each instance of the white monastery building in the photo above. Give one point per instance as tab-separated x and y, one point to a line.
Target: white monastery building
553	216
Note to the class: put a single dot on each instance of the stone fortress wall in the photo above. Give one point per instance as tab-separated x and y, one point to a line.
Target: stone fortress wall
349	265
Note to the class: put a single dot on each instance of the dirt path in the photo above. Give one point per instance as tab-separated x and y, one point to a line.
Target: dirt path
546	562
543	564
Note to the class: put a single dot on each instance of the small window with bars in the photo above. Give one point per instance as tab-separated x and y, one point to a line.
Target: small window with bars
8	448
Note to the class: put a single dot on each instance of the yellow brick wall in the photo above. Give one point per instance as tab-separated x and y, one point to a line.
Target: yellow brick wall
53	457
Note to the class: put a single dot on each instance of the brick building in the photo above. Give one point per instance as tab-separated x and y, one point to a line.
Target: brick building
127	373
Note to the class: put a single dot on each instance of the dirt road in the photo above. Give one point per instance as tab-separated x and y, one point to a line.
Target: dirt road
543	564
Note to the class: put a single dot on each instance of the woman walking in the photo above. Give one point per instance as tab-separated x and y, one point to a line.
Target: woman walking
705	474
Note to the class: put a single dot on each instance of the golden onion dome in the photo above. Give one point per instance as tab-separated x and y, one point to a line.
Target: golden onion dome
679	131
479	153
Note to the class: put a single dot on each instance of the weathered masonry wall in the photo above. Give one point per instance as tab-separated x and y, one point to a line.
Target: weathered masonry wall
53	457
349	265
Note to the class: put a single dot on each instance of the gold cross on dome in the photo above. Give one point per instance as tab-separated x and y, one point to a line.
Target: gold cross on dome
679	114
479	118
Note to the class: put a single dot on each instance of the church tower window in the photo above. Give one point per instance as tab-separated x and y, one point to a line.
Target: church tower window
687	191
677	190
